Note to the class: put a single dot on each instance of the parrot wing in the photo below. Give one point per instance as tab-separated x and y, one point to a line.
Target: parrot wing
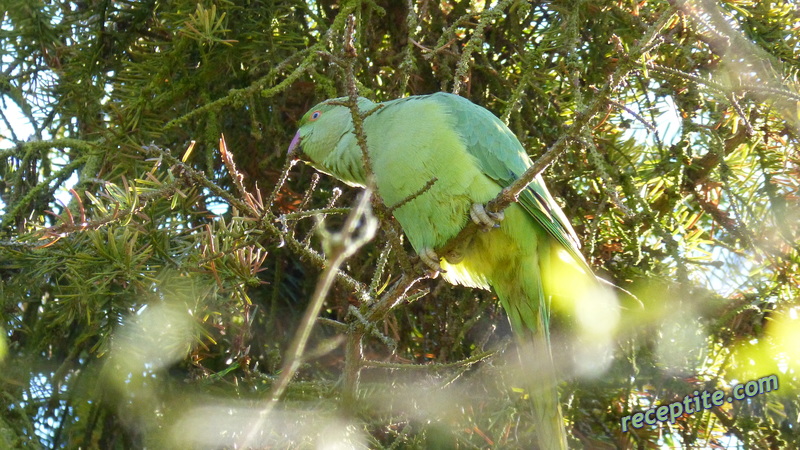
503	159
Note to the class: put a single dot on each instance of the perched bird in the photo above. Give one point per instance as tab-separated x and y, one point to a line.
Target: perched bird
441	158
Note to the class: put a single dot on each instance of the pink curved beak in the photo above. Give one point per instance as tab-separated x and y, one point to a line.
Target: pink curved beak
294	146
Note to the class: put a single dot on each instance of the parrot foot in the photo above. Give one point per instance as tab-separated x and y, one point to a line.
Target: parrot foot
486	220
431	259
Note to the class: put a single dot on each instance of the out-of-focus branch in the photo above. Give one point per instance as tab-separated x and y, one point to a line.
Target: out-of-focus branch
358	229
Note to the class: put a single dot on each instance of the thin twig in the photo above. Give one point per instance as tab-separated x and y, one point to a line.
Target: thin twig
287	167
329	207
474	43
313	213
411	197
350	56
432	366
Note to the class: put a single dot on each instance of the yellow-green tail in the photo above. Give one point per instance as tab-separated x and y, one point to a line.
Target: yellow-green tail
540	380
529	317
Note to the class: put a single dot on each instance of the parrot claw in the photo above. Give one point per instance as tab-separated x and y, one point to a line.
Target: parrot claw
431	259
486	220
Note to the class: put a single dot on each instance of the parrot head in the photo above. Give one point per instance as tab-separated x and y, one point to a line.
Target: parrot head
321	131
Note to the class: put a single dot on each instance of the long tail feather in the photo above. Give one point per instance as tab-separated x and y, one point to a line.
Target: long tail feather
529	315
541	382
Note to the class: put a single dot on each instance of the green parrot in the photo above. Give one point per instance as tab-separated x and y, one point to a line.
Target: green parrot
445	157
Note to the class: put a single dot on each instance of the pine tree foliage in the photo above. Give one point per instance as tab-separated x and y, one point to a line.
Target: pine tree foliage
162	287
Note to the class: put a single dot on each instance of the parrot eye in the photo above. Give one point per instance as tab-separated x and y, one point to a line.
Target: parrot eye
314	115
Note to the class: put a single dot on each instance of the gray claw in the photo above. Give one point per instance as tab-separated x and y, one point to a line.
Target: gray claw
486	220
431	259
